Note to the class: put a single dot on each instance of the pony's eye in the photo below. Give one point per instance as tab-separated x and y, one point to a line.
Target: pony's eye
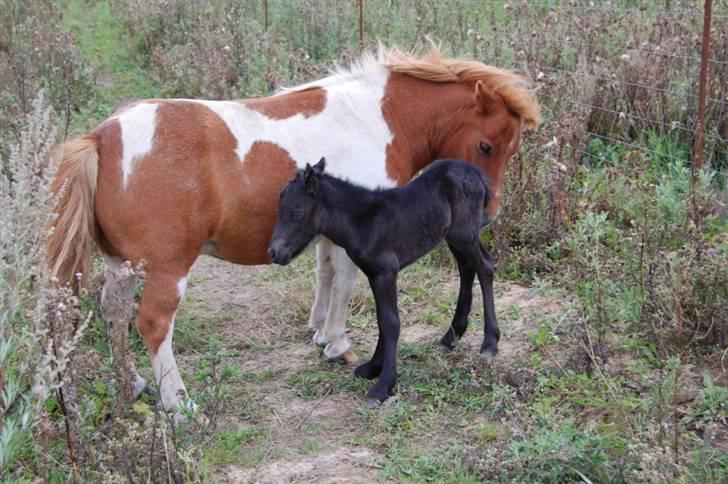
484	148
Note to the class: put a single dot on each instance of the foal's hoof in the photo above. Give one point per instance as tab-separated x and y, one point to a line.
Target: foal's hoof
488	354
447	342
373	403
368	371
445	348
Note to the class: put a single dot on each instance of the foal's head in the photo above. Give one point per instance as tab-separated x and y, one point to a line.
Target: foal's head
296	223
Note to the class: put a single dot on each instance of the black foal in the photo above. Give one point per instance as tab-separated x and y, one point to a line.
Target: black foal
384	231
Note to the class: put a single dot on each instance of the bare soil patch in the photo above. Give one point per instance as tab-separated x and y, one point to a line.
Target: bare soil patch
262	323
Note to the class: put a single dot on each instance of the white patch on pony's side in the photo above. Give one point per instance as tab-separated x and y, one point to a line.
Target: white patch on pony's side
350	132
166	373
137	133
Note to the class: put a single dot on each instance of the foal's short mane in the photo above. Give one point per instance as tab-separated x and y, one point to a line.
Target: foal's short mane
516	90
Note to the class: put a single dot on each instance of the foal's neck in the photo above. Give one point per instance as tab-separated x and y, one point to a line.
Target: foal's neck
340	203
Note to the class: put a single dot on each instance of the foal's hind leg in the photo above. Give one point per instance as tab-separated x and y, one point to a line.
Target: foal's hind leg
465	297
163	292
479	259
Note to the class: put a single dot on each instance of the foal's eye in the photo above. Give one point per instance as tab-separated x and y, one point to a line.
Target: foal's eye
297	213
484	148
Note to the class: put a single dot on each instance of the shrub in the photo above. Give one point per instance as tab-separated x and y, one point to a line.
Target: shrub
37	52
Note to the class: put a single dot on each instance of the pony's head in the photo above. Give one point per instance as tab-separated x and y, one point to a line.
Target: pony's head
487	135
296	223
483	116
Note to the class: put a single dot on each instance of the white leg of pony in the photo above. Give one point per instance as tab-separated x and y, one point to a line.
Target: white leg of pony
324	278
171	387
163	293
333	333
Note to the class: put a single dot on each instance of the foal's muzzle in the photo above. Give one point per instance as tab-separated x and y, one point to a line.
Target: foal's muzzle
279	254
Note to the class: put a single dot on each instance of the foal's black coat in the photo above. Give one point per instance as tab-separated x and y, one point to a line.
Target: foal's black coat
384	231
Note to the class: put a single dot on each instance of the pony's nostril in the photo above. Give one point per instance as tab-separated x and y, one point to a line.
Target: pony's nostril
271	254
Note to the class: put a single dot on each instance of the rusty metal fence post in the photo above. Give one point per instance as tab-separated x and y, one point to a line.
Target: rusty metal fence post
700	124
361	25
265	12
704	67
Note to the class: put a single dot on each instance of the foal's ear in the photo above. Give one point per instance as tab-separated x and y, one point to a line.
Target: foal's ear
320	166
310	178
485	98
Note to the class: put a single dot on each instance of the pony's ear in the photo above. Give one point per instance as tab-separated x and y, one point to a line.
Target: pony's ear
320	166
485	98
310	178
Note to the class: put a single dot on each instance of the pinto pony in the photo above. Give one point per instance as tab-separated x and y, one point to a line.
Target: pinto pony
384	231
167	180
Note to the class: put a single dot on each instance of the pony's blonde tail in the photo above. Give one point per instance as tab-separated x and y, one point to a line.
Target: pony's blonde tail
74	229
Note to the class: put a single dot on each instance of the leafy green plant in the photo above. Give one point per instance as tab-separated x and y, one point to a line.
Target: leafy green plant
710	406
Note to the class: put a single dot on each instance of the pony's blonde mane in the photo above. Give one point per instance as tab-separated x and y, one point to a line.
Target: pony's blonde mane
516	91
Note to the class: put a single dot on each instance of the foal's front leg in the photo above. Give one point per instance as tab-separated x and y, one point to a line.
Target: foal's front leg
484	267
465	298
384	361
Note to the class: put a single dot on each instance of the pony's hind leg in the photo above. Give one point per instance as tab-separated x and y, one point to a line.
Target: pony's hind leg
333	333
324	279
465	297
117	302
163	292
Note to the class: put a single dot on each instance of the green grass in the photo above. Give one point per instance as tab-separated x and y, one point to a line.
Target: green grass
103	40
246	446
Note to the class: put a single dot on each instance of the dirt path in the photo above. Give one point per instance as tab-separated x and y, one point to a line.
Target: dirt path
311	426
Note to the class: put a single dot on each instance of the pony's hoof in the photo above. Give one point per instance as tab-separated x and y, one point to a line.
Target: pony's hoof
349	358
149	391
319	340
314	325
139	386
336	349
488	355
185	411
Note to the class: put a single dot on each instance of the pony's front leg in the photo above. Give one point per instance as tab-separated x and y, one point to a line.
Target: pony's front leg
333	333
163	292
384	287
324	280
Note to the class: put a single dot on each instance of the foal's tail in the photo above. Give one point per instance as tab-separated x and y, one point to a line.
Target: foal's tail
74	229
